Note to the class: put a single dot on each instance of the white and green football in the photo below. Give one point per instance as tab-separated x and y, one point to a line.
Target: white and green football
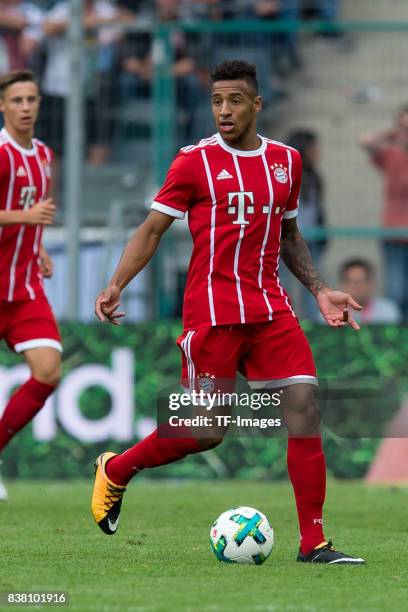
241	535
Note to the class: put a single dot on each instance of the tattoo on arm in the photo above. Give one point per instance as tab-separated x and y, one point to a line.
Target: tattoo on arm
296	255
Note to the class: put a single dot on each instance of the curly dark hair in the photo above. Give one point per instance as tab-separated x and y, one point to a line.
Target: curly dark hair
236	70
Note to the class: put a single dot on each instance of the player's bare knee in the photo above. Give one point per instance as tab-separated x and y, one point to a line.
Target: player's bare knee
299	400
300	410
51	378
44	364
311	420
48	372
306	407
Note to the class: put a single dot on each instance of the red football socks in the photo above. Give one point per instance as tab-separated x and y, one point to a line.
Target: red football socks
151	452
22	407
307	471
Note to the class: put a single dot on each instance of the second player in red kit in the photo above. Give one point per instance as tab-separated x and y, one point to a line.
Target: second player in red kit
27	323
240	191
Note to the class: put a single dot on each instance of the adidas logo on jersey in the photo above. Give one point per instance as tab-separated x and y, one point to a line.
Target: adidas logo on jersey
224	174
21	171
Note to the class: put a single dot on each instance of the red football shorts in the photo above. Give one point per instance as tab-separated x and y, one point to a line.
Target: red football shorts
270	354
29	324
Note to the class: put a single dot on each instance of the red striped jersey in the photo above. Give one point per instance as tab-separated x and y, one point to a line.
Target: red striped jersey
236	201
24	180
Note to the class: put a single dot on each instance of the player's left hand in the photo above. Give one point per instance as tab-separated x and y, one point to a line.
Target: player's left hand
45	263
334	306
107	304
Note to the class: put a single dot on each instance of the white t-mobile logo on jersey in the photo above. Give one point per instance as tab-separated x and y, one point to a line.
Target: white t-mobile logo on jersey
242	197
27	197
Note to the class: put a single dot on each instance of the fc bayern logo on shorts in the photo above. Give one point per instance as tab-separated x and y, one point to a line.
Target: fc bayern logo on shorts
206	382
280	172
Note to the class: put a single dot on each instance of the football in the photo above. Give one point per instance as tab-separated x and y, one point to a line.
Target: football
241	535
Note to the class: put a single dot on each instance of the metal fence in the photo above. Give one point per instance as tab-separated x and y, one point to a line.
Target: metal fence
138	93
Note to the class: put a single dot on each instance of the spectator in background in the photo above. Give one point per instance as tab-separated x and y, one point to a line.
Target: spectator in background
193	10
328	10
388	150
137	62
311	208
290	59
98	70
20	34
357	276
265	49
133	6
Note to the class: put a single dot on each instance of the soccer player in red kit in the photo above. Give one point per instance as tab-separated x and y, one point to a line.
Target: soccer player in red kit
27	323
241	194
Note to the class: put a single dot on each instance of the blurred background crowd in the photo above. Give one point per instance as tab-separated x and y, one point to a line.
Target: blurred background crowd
335	93
118	63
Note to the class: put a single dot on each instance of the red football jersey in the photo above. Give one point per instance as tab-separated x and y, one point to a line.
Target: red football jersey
24	180
236	201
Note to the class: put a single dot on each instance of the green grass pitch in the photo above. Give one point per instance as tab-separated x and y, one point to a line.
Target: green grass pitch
160	559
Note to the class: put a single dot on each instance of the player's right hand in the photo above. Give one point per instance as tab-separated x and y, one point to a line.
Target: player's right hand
41	213
106	305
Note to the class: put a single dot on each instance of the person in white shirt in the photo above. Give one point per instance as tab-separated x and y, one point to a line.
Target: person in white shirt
95	76
357	276
20	34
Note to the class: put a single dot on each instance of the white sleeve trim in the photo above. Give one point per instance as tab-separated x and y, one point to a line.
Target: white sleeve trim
20	347
168	210
290	214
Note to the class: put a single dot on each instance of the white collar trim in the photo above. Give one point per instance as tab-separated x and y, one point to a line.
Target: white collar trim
15	144
255	153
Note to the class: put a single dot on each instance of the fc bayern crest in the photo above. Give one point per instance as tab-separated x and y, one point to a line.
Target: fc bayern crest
280	172
206	382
